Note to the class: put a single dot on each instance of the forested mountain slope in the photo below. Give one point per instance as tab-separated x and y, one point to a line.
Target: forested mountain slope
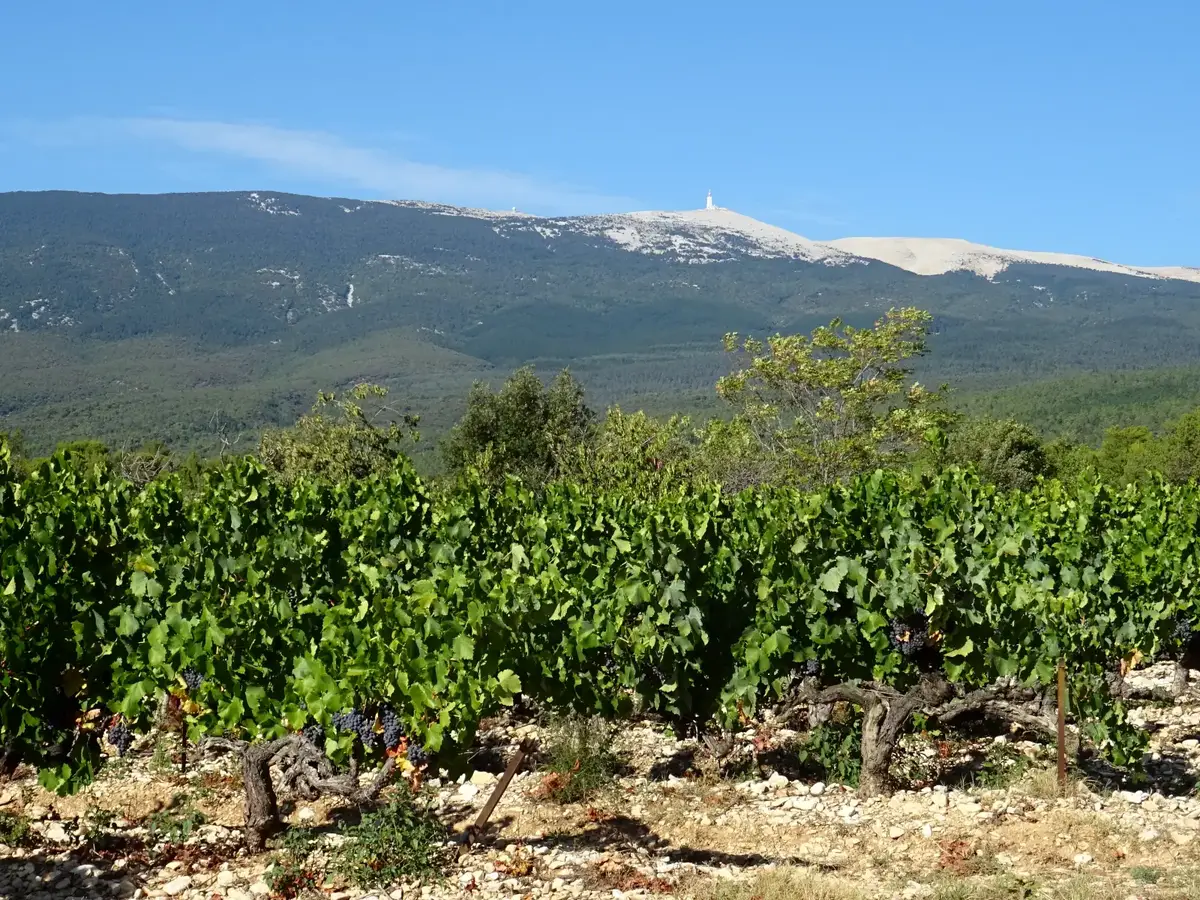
133	317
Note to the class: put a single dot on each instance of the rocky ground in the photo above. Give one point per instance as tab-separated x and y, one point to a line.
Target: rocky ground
985	822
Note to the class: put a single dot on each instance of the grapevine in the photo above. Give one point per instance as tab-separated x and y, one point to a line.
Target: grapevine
1184	631
279	603
910	635
356	722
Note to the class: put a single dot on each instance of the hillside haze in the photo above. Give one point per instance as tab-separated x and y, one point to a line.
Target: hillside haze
192	317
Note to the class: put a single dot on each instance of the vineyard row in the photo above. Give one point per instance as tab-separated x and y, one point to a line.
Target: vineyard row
267	609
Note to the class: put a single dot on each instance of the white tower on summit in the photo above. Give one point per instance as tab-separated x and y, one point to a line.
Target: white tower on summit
709	204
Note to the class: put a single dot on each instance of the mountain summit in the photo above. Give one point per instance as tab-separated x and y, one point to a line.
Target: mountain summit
715	234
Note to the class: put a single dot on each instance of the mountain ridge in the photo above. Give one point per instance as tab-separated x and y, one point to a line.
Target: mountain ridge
135	316
936	256
919	255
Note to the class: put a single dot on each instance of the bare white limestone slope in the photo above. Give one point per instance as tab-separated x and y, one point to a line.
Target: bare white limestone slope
717	234
695	236
445	209
711	233
936	256
1183	273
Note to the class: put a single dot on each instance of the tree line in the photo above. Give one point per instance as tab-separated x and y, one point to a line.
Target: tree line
802	411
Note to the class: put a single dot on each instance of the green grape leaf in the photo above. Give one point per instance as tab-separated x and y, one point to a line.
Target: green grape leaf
464	647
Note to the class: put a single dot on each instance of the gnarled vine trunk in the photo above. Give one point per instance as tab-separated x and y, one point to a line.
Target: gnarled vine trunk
885	718
262	809
305	771
1179	684
875	777
10	758
887	713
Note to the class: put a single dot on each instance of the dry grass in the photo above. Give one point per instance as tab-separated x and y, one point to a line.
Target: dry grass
1001	887
618	876
1084	888
1009	887
580	761
783	884
1183	884
1042	784
965	857
1058	836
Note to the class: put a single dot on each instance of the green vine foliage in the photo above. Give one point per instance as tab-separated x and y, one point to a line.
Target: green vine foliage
299	598
62	551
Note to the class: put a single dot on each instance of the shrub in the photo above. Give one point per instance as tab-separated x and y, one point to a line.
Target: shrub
97	823
524	429
291	874
289	878
1005	453
342	438
1003	767
175	824
833	751
14	829
579	760
400	840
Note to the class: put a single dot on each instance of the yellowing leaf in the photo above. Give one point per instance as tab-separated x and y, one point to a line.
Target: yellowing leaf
1129	663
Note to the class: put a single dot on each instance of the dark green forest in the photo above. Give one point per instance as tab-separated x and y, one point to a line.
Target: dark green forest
767	425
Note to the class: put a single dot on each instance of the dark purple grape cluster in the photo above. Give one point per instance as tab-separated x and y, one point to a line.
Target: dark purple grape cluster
911	635
1185	639
811	668
358	723
417	755
393	728
192	678
120	737
314	733
1183	632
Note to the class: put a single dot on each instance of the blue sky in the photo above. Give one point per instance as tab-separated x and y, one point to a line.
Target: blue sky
1056	125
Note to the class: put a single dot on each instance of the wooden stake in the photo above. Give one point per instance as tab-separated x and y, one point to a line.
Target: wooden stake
1062	726
486	813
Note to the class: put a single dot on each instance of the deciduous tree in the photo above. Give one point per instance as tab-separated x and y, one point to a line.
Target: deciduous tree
636	454
524	429
1004	452
837	402
342	437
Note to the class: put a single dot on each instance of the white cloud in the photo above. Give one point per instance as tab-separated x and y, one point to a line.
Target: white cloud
323	156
